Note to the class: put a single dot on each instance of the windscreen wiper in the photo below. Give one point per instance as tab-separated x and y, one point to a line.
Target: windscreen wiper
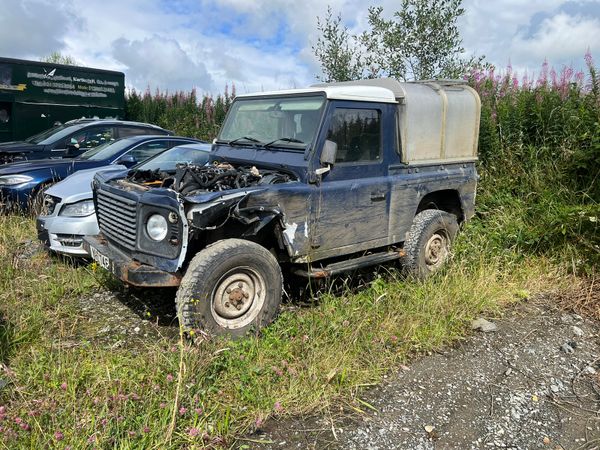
245	138
284	139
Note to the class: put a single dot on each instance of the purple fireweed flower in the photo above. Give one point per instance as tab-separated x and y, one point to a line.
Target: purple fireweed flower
589	61
63	386
193	432
553	78
169	377
182	410
277	407
59	436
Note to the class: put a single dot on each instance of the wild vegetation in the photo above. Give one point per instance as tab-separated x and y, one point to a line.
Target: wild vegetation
182	112
536	230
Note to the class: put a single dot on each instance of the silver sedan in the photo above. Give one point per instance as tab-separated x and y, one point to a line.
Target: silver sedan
69	212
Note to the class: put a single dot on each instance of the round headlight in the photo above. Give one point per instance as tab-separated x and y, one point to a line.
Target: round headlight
157	227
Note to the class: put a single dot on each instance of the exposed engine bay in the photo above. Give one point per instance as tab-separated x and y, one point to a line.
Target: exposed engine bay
190	179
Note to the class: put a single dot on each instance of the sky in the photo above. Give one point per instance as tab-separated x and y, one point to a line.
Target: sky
260	45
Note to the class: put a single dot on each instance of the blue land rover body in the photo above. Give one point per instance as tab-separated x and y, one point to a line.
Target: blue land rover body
319	181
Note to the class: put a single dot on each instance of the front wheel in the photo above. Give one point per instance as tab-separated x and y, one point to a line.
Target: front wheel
231	287
427	246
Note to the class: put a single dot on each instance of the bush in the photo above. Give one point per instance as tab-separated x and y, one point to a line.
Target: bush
540	161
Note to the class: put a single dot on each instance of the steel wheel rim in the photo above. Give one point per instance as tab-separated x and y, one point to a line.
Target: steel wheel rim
238	297
436	250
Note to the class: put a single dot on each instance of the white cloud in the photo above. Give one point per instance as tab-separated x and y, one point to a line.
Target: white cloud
160	62
265	44
561	38
33	28
526	33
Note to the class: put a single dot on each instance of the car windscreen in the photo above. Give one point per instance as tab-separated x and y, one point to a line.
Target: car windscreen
107	150
53	134
167	161
286	121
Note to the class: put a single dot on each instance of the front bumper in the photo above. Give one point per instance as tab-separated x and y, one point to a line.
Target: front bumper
126	269
63	234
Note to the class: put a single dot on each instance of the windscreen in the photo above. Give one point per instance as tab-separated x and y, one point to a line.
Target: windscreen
106	151
290	122
167	161
53	134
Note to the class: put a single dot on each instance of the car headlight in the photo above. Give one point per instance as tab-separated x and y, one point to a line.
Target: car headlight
78	209
9	180
157	227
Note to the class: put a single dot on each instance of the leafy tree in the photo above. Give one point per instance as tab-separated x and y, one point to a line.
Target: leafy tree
59	58
339	59
420	41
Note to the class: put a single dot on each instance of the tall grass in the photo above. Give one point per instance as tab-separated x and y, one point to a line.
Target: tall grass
69	388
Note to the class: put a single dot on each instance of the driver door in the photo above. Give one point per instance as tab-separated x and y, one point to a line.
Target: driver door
351	203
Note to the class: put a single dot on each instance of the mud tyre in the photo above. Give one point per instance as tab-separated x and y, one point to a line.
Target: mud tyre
428	244
232	287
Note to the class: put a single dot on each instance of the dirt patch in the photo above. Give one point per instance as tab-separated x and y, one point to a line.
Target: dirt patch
128	316
533	383
583	298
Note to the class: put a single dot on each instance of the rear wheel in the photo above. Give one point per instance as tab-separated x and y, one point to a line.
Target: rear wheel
428	244
231	287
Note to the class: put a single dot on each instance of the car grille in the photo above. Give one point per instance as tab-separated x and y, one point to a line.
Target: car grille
117	218
70	240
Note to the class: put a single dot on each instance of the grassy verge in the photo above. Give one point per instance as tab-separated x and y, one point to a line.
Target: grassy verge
165	393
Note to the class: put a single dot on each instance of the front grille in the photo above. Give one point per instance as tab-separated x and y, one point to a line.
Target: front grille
69	240
117	218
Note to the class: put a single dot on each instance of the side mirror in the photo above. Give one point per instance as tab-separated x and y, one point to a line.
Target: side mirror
328	154
127	160
327	157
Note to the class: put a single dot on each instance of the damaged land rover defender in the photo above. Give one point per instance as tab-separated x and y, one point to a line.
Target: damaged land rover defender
312	181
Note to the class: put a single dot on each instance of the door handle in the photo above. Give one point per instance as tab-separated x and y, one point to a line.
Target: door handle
377	196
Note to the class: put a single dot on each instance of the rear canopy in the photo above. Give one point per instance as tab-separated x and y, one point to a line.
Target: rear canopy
438	120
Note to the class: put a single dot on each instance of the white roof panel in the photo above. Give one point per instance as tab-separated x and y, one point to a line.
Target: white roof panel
350	92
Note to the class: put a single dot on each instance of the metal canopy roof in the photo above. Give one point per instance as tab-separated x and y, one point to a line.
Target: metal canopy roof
398	88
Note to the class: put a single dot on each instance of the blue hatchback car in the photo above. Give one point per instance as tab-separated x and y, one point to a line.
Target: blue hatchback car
22	183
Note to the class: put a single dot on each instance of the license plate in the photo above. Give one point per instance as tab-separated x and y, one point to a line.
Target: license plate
102	260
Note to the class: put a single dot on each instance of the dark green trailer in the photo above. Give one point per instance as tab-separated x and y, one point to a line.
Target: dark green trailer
35	95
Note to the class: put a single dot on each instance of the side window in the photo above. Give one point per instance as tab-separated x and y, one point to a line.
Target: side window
92	137
130	131
137	131
357	132
145	151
